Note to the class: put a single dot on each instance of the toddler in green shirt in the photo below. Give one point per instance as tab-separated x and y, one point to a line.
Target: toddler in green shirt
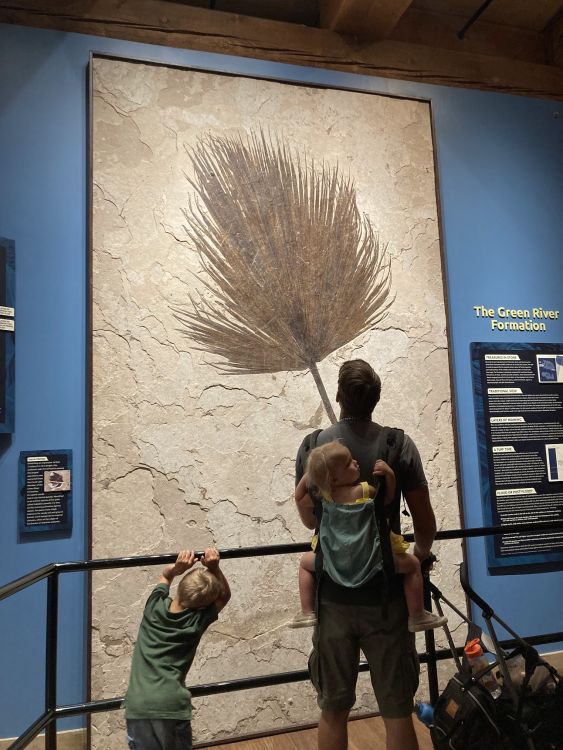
158	708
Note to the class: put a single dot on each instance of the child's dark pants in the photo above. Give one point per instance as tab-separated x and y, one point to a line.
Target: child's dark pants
159	734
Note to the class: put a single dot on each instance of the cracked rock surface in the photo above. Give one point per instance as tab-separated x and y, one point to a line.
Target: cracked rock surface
186	456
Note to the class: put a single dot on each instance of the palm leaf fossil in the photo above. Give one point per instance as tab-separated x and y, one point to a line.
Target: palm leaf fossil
293	271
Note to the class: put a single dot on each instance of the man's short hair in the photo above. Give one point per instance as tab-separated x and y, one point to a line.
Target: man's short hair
359	388
198	589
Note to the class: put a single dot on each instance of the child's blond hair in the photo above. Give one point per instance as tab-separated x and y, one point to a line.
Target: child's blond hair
321	463
198	589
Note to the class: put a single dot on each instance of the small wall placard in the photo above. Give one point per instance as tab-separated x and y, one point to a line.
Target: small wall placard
45	488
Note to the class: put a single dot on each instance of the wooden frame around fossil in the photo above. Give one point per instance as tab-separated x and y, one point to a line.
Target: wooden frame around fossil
221	433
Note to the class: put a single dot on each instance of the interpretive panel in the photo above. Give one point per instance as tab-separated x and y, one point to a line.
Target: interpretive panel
45	484
7	348
519	409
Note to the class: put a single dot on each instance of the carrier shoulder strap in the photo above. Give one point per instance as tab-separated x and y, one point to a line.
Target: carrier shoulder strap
389	444
388	447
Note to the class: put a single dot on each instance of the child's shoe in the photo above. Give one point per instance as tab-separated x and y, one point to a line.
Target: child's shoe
426	621
303	620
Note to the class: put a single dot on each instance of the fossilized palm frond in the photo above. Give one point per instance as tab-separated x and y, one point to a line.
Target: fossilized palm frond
292	269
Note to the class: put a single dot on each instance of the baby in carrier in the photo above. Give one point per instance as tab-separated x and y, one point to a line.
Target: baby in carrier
332	469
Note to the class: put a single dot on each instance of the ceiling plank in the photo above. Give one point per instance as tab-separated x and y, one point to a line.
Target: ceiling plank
160	22
367	19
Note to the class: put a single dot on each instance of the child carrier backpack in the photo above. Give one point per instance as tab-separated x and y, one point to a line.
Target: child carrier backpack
363	528
350	543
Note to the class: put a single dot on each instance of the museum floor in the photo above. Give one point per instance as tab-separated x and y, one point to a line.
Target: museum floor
362	734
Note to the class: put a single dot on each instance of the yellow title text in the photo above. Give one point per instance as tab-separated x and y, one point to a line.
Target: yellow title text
516	319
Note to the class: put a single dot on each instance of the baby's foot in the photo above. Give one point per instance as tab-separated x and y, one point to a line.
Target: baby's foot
426	621
303	620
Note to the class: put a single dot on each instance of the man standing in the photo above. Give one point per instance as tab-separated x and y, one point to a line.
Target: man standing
365	618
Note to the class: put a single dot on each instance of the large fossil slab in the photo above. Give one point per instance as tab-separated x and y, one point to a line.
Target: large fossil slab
188	454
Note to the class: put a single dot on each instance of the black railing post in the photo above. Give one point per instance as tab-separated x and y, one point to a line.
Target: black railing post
433	688
430	644
51	632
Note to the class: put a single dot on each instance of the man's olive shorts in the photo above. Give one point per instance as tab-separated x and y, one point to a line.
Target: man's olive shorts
388	646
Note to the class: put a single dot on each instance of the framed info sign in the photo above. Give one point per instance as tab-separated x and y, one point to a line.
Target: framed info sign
45	486
518	391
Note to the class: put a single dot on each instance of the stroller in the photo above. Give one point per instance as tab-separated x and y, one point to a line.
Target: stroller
524	712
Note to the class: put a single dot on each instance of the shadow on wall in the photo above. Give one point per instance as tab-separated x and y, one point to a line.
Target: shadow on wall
5	443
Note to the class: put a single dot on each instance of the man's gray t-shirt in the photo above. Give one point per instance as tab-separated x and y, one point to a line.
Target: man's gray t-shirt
360	436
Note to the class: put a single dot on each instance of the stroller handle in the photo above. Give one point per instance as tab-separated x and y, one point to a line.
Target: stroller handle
473	595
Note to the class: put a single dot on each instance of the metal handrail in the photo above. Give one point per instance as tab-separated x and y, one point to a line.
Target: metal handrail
51	572
21	583
230	554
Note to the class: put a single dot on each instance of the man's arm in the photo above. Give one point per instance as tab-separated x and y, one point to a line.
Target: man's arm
423	519
305	506
211	561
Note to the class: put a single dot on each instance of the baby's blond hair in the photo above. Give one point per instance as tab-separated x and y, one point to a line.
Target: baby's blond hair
321	463
198	589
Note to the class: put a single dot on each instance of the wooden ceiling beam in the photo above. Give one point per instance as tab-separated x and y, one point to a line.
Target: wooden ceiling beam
166	23
366	19
554	41
437	30
524	14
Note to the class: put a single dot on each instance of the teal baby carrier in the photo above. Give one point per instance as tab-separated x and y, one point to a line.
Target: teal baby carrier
350	542
354	546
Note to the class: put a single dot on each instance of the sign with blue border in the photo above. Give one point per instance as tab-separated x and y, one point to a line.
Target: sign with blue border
7	334
518	393
45	491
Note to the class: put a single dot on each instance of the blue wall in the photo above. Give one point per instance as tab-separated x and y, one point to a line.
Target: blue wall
500	162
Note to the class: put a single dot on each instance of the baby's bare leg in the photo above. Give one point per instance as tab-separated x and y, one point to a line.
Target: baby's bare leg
307	582
409	566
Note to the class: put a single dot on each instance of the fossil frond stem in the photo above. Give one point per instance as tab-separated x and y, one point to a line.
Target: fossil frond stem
319	383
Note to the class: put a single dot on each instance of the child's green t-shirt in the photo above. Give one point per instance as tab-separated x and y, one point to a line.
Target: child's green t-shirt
164	652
